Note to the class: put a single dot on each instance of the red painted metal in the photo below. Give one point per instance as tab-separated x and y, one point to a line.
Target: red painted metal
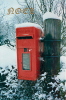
28	43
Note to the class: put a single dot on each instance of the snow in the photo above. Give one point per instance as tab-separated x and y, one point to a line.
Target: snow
42	96
49	15
27	24
44	74
64	51
62	73
63	60
7	56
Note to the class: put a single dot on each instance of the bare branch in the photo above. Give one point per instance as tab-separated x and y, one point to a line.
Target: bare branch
39	6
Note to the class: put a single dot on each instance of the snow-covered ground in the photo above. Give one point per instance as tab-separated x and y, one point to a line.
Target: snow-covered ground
7	56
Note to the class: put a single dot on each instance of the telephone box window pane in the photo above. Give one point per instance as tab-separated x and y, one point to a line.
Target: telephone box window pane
26	61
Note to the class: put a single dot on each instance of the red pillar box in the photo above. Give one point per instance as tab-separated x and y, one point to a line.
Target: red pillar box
28	51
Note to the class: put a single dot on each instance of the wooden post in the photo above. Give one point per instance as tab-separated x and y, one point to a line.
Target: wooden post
52	31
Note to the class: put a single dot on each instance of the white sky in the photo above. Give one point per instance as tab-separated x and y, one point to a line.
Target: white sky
6	4
9	3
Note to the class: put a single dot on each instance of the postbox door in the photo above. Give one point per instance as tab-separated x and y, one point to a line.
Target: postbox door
24	62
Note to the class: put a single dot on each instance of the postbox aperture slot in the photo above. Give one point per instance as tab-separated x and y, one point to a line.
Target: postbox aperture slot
25	37
26	61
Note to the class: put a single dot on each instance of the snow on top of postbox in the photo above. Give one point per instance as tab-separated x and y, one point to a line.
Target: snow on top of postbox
49	15
27	24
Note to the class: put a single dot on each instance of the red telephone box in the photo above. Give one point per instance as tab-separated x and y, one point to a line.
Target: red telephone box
28	52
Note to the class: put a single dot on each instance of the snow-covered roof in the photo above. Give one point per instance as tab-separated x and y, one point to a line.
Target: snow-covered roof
49	15
27	24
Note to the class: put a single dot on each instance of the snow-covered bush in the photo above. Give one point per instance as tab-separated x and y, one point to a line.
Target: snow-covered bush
49	88
9	82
